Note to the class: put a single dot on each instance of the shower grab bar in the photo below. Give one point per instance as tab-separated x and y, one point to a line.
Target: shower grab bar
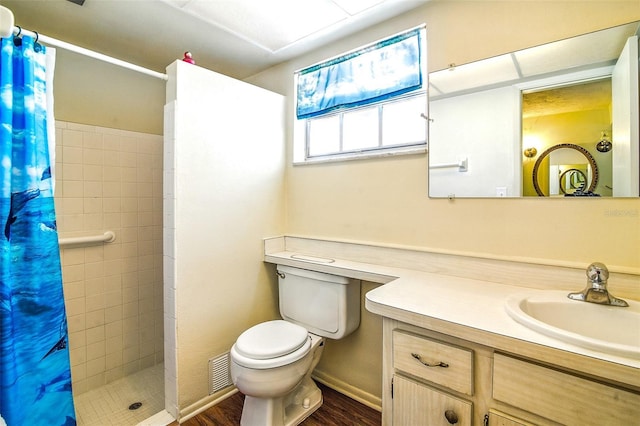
107	237
462	165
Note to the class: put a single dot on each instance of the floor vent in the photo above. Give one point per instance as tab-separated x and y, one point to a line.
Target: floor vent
219	373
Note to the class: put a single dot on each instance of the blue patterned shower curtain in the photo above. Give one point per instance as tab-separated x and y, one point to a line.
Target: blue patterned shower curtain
35	376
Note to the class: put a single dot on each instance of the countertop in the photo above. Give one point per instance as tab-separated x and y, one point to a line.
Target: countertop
470	309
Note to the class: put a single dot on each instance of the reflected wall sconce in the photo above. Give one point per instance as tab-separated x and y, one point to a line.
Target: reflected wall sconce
530	152
604	145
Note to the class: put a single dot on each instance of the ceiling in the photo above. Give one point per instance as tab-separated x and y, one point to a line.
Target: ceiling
596	49
599	48
592	95
238	38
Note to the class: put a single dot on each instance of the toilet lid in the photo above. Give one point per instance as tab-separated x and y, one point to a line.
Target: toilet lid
271	339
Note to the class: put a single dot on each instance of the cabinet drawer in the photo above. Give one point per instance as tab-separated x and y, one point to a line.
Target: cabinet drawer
562	397
496	418
448	365
416	404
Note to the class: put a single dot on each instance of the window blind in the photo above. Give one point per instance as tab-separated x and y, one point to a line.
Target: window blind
371	74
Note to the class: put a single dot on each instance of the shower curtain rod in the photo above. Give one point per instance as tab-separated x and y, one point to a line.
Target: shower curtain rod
81	50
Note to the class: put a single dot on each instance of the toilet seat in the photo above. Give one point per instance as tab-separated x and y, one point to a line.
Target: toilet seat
271	344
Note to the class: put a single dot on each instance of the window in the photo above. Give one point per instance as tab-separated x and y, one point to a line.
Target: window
371	101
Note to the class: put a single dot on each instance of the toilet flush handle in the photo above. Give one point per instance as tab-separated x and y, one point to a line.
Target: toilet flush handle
281	274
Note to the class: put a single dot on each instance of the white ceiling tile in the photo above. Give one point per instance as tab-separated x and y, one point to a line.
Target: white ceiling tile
353	7
272	25
475	74
594	48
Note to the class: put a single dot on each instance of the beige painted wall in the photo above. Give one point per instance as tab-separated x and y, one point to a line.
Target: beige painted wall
96	93
385	200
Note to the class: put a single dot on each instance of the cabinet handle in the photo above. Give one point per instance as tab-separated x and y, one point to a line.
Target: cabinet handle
439	364
451	417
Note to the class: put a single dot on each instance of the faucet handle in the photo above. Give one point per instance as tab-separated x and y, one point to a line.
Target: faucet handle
596	289
598	273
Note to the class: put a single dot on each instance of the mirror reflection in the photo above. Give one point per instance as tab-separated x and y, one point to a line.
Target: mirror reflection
499	116
565	170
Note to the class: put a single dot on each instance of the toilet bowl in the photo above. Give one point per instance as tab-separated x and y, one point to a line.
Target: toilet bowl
278	389
272	362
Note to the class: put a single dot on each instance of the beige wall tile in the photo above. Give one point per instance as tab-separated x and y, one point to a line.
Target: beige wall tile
92	172
96	351
73	273
92	156
95	334
111	205
71	171
71	138
95	366
72	257
111	142
113	314
76	322
94	270
94	303
73	188
92	140
71	206
92	188
101	173
113	298
94	253
94	286
74	290
94	318
114	359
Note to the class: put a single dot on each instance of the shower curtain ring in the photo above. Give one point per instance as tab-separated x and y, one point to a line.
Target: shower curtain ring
17	41
37	35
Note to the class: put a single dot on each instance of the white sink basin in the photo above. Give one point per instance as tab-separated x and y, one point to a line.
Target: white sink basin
609	329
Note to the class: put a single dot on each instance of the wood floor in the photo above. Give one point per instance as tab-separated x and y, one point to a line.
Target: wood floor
336	410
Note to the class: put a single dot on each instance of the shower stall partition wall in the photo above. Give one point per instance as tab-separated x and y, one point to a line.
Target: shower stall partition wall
223	193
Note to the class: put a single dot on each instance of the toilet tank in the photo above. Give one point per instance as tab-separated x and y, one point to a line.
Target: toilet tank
325	304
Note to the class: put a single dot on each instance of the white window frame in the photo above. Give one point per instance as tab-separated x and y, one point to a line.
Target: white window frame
301	134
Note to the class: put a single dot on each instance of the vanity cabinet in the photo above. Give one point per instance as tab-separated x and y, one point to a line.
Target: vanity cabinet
417	404
496	418
433	362
562	397
435	379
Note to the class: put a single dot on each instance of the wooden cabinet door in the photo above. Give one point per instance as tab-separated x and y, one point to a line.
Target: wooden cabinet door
416	404
497	418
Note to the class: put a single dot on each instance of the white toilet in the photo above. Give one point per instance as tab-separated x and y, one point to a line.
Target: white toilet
272	362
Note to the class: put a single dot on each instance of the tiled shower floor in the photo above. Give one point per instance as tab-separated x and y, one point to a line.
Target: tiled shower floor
109	404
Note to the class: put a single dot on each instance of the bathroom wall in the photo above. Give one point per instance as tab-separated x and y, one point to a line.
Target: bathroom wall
486	170
109	179
354	364
385	200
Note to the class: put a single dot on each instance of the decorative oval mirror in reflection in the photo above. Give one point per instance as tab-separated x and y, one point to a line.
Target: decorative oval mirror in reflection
573	179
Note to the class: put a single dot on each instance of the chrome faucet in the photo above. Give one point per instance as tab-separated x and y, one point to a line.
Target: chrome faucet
596	289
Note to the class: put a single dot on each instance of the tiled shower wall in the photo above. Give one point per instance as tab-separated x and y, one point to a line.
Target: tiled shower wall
108	179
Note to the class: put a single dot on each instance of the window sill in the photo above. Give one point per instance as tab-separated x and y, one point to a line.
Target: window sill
335	158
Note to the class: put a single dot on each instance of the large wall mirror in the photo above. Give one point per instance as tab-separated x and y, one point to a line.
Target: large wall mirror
557	120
